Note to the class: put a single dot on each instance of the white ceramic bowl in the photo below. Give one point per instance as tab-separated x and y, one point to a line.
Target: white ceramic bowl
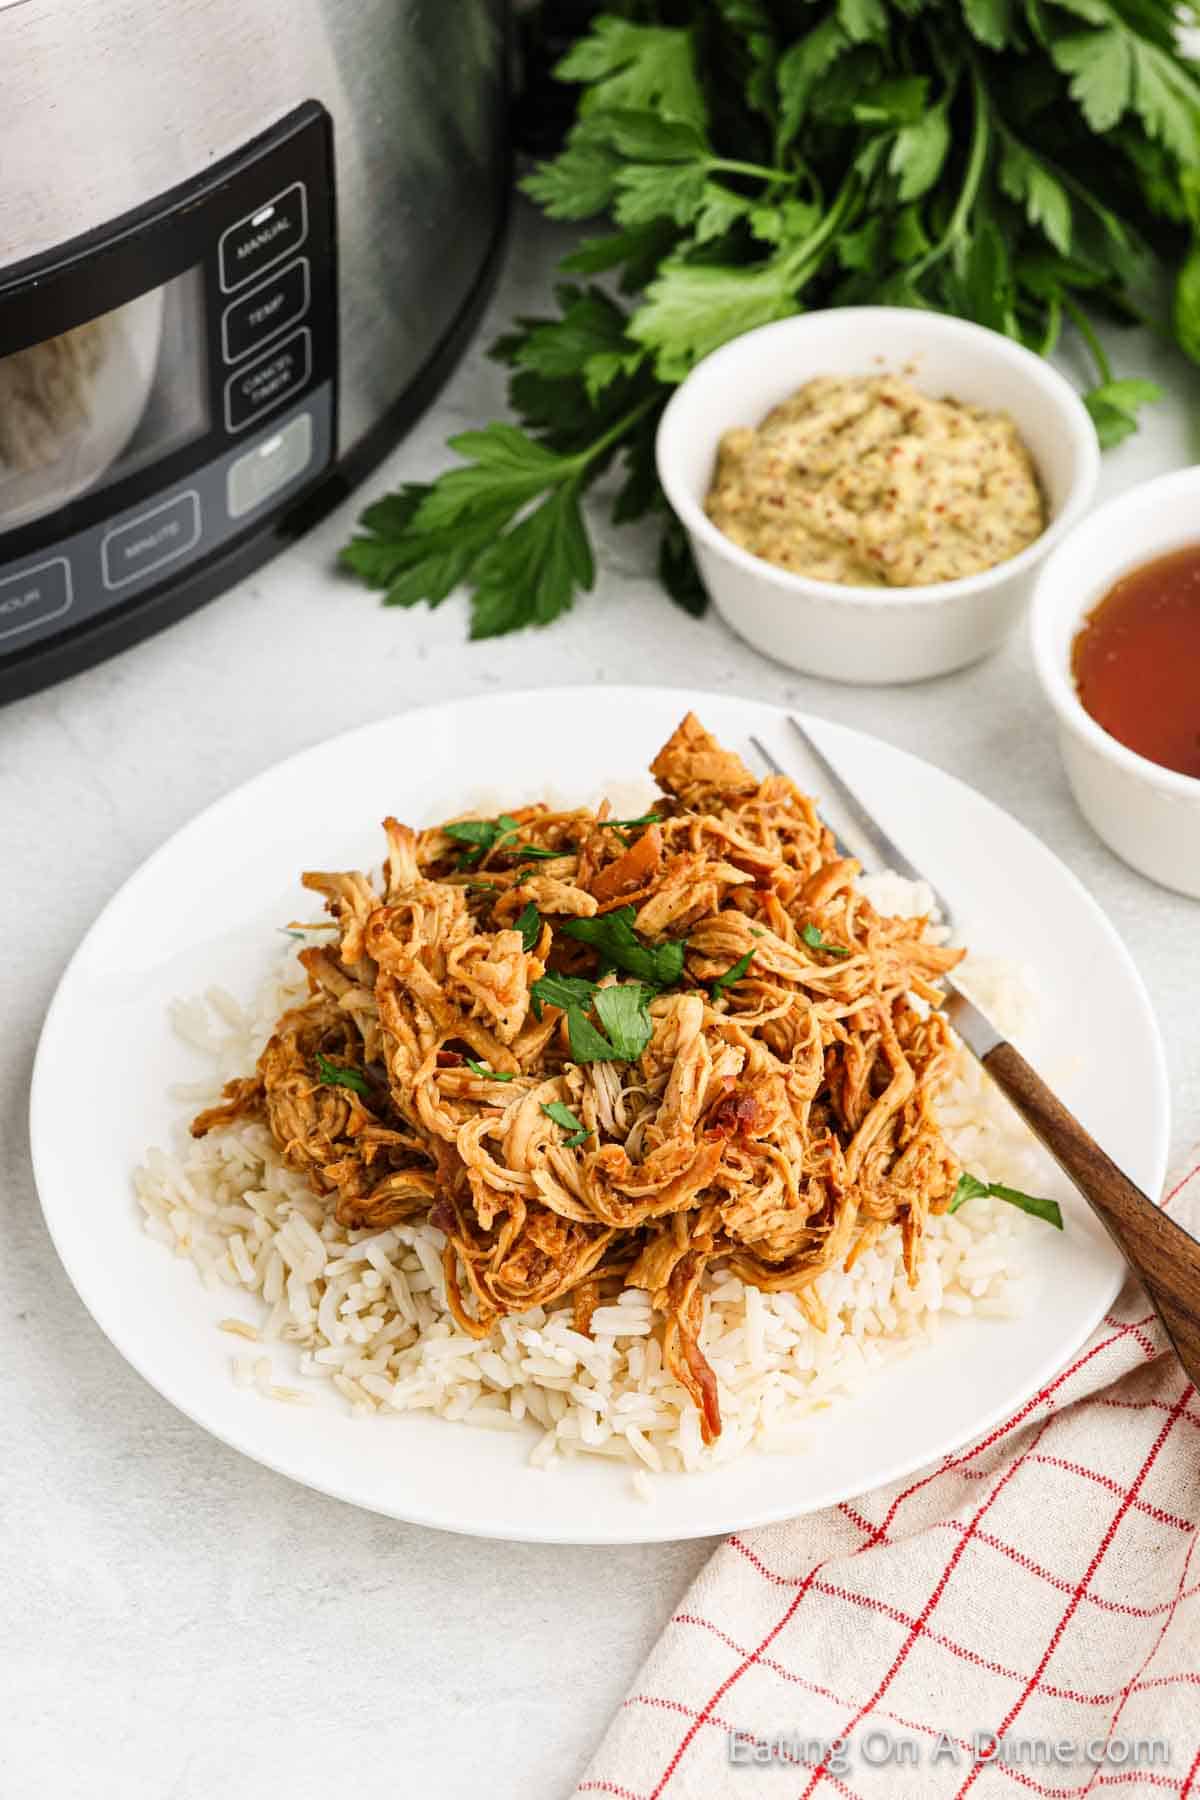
866	634
1147	814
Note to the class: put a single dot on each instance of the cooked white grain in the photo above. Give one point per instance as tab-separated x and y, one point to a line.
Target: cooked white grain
366	1312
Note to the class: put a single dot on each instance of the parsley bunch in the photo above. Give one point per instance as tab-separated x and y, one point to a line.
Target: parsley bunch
1031	164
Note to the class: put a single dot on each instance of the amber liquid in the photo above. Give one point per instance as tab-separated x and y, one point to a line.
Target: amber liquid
1136	661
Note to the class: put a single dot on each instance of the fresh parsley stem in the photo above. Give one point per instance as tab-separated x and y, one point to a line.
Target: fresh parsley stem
756	171
1053	325
583	458
977	157
1083	326
808	251
969	192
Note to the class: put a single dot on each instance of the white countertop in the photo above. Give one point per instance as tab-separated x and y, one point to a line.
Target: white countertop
179	1622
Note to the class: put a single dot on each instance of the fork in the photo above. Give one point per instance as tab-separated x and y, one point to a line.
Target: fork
1160	1251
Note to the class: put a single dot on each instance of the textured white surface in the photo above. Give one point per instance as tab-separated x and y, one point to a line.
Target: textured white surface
178	1622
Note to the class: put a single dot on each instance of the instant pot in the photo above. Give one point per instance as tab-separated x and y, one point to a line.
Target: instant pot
240	246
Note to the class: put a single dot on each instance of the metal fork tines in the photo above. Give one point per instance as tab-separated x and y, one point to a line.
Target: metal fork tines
870	845
881	852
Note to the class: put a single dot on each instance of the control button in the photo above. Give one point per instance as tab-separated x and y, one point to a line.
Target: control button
264	237
262	471
267	383
265	311
152	540
35	595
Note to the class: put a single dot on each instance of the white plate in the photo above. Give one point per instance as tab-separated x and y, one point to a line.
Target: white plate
206	907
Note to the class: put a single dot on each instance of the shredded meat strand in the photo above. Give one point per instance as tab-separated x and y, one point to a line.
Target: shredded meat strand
775	1129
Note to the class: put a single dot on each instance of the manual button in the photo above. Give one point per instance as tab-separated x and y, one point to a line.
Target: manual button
267	383
279	301
268	235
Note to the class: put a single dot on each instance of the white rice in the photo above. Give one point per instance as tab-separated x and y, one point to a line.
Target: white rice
364	1313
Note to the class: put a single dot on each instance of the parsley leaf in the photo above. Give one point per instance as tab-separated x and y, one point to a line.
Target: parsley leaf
1100	65
612	935
628	65
588	1044
478	1068
622	1010
625	1016
812	937
691	308
562	1115
334	1075
578	184
481	835
1028	181
529	924
529	576
970	1188
565	991
990	21
538	852
1114	407
733	973
918	155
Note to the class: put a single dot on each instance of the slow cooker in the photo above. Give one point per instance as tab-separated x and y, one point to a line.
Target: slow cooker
241	242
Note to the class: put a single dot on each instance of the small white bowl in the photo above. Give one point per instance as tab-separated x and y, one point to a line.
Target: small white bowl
870	634
1147	814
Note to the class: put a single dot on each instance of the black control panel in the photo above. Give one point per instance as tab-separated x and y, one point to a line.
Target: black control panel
230	328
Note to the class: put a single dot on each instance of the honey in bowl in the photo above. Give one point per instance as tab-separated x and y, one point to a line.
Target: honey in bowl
1136	661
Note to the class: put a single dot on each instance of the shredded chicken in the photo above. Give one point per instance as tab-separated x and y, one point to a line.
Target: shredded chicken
774	1122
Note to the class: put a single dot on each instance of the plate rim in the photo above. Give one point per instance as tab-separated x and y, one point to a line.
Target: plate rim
643	1527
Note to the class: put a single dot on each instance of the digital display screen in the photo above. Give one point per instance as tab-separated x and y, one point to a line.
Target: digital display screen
100	402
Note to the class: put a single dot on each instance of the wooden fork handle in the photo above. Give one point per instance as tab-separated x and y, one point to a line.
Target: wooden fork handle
1163	1254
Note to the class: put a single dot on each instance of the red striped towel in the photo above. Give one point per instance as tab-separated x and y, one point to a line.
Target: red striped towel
1021	1619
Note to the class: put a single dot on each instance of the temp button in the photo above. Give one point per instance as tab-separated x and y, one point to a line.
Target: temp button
34	596
269	467
150	541
279	301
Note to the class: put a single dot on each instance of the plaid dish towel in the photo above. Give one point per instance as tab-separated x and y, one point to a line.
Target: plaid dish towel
1021	1619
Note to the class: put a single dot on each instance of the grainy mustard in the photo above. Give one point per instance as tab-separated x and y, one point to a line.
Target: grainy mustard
865	481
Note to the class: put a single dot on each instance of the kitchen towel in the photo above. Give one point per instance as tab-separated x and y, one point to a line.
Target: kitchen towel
1021	1619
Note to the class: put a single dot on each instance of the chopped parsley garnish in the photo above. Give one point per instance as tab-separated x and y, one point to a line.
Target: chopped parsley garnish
588	1044
622	1010
733	973
562	1115
815	941
970	1188
614	939
529	924
481	835
561	990
333	1075
478	1068
625	1016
